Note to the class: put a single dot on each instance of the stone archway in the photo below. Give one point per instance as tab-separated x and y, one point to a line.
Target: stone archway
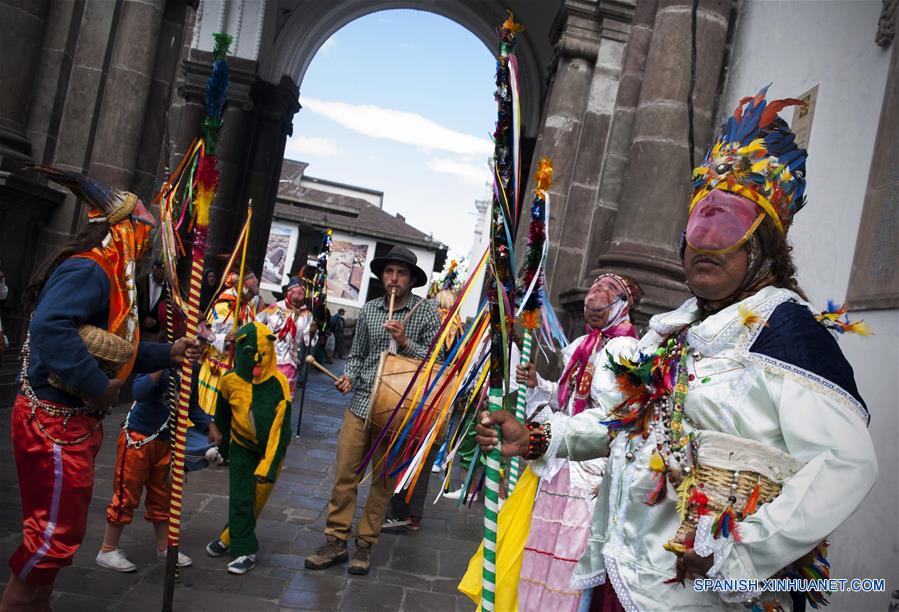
311	23
275	42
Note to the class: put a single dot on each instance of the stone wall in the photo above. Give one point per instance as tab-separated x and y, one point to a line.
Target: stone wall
86	87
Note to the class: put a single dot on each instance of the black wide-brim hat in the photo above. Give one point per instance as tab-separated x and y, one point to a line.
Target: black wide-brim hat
400	254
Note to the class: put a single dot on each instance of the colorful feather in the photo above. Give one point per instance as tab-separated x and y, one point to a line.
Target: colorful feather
830	318
750	318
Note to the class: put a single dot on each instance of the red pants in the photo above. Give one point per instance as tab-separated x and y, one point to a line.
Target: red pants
56	484
136	469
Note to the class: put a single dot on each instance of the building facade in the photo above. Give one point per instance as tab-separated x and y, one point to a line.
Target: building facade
362	230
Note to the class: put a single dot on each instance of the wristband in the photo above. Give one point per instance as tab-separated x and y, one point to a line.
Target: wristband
539	438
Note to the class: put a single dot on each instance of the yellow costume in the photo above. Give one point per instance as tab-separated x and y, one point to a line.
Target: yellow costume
253	415
514	524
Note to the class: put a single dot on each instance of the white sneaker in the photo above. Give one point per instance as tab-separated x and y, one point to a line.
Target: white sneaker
454	495
242	564
183	560
115	560
436	468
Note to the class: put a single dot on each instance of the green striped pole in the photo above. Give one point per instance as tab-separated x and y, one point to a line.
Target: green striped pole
491	512
515	469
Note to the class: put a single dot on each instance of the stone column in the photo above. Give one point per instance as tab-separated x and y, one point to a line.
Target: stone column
582	215
121	118
20	46
272	123
71	81
614	160
656	190
577	46
155	141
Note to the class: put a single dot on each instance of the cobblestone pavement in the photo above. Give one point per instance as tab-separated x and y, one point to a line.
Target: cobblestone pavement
409	571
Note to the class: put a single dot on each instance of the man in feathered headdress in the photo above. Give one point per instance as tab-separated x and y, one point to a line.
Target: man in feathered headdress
82	344
742	441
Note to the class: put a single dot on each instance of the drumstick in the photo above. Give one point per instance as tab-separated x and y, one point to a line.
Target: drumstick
311	361
390	306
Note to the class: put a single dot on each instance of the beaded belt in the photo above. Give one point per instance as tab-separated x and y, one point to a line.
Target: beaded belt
63	412
131	442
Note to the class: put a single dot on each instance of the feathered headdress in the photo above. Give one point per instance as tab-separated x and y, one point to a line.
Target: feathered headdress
110	204
755	156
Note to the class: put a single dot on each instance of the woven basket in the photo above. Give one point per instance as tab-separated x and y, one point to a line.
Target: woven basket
111	352
719	457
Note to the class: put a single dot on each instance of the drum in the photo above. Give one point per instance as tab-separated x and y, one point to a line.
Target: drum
394	374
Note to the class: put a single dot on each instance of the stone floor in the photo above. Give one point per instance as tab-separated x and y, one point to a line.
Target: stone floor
409	571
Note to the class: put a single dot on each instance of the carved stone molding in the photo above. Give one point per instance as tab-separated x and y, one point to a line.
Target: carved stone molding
196	69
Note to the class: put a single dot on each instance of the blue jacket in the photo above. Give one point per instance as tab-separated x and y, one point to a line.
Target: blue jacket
77	292
151	409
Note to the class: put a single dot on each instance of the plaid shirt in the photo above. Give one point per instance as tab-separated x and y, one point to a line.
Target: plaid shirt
371	339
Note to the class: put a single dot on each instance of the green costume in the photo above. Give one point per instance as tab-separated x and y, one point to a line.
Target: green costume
253	414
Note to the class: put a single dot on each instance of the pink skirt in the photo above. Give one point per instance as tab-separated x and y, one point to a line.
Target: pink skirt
291	373
560	526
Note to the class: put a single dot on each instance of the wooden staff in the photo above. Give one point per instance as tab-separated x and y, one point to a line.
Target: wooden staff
207	182
311	361
243	267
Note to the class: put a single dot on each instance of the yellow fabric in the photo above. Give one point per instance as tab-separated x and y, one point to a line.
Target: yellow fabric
513	526
274	436
239	394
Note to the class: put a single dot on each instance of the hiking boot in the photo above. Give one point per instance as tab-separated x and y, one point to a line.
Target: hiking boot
333	552
361	561
242	564
115	560
216	548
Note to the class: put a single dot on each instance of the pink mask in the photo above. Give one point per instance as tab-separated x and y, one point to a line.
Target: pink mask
722	222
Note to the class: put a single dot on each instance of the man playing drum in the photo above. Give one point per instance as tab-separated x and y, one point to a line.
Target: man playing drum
399	322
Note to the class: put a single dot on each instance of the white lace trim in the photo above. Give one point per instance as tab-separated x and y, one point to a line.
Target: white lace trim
621	590
668	323
582	583
706	545
548	464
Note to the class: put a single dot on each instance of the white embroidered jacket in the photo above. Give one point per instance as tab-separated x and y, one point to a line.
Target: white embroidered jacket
740	393
544	399
287	349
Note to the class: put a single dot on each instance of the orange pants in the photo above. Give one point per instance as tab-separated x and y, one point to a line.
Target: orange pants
136	469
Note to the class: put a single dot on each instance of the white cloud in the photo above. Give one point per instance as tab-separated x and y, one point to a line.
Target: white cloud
473	174
328	46
301	147
400	126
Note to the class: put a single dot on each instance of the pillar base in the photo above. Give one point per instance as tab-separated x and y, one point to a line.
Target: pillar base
660	276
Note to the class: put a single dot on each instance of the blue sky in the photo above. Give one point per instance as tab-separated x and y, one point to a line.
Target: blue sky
402	101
